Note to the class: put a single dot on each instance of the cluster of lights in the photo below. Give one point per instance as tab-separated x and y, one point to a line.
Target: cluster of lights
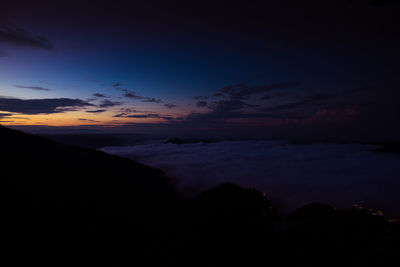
371	211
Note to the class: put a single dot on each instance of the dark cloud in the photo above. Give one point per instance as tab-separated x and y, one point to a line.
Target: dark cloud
156	116
120	115
143	116
201	97
96	111
130	110
38	88
133	95
220	117
243	91
170	105
236	105
12	35
307	104
41	106
201	104
7	115
152	100
2	115
107	103
127	111
83	119
239	106
98	95
240	92
226	106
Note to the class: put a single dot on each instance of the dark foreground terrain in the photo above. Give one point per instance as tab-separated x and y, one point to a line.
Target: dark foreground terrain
64	205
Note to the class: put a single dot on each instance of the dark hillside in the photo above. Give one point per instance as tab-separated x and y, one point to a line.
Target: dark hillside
62	195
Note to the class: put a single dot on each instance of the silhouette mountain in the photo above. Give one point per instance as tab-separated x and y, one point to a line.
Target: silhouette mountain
175	140
60	194
44	168
64	205
179	141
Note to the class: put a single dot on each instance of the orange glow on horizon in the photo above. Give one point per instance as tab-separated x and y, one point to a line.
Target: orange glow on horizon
73	118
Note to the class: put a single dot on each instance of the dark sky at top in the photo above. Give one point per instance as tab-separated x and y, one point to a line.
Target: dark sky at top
310	70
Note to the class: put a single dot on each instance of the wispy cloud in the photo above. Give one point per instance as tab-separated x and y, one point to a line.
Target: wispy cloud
15	36
107	103
237	96
170	105
151	100
96	111
38	88
143	116
2	115
129	94
133	95
98	95
117	85
41	106
83	119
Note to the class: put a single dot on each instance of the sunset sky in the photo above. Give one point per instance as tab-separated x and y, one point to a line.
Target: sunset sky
256	68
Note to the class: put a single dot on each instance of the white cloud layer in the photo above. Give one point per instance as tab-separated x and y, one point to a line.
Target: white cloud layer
291	175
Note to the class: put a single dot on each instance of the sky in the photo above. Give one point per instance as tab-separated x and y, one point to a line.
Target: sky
306	70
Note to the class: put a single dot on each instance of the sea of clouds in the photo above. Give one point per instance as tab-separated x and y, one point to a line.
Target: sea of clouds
291	175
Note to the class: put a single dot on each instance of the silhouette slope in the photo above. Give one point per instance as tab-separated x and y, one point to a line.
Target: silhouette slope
67	197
